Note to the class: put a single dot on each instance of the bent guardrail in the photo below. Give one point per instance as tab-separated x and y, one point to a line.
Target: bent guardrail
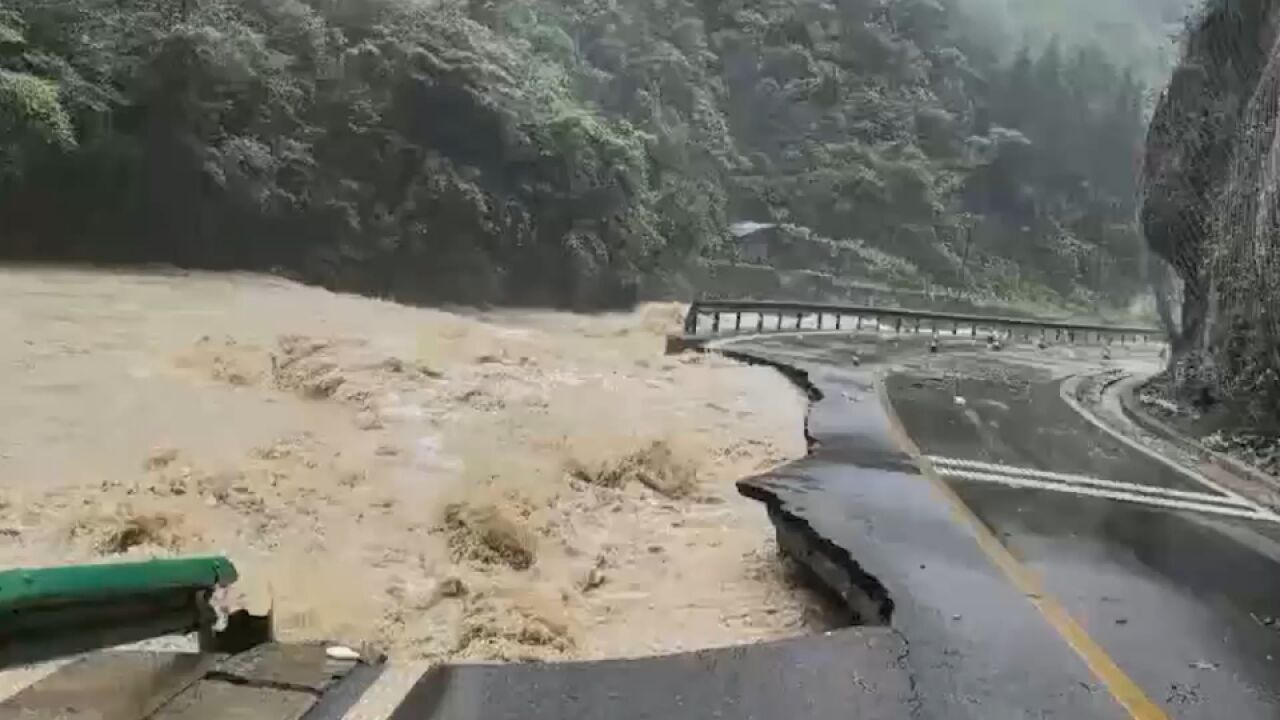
709	319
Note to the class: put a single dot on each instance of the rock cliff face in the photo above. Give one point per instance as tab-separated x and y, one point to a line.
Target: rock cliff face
1210	205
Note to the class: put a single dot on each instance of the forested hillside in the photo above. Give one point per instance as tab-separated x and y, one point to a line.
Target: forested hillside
565	152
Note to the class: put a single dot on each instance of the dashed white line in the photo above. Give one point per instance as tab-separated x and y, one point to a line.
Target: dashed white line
1218	499
1087	491
1067	391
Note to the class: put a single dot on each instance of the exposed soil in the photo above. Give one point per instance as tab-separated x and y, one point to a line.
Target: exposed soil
436	484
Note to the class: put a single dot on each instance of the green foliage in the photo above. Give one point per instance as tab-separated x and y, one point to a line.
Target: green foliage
10	29
31	119
29	108
555	151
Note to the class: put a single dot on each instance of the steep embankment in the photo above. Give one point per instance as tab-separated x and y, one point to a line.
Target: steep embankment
1210	206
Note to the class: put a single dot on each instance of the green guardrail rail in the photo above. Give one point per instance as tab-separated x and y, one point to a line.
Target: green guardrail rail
52	612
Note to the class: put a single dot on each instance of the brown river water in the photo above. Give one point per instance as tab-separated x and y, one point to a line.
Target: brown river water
497	485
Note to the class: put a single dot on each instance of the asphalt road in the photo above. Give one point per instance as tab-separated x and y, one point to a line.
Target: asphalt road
853	673
1098	582
977	646
1181	595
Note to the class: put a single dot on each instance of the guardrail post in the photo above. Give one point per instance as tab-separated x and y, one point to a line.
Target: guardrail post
691	320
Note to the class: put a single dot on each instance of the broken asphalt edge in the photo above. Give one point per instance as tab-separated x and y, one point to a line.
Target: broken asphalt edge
833	567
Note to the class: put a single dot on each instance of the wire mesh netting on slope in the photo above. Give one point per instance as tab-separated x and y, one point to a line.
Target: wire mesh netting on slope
1210	205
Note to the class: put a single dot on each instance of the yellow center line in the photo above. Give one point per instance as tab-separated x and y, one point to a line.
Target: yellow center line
1120	685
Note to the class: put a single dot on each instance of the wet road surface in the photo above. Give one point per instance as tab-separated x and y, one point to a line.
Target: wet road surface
1171	583
976	646
853	673
1182	598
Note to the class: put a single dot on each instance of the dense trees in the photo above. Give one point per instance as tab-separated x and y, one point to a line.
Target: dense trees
558	151
1057	189
389	147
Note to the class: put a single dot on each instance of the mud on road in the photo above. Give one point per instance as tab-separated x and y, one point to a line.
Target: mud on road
436	484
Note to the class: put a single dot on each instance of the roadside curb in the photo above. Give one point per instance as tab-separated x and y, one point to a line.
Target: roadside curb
1246	474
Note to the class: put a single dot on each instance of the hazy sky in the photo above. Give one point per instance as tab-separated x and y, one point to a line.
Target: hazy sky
1140	33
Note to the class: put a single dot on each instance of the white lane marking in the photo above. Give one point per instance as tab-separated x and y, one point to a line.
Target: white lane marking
1086	480
1021	482
1067	391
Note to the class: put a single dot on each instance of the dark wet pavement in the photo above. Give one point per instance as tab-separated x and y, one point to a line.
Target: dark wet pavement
853	673
976	647
1016	417
1183	601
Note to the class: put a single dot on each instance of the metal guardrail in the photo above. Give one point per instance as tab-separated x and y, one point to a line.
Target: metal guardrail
54	612
726	317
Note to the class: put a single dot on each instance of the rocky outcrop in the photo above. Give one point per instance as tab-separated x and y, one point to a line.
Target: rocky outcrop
1210	204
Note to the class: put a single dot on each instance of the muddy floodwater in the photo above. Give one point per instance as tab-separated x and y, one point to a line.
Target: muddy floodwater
436	484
